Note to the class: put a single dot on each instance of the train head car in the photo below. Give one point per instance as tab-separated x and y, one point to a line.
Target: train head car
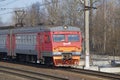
66	45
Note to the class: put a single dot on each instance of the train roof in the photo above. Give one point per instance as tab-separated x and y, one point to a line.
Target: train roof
40	29
5	29
46	28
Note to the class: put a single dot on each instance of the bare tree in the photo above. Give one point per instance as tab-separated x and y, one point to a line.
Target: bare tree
33	15
105	30
53	10
63	12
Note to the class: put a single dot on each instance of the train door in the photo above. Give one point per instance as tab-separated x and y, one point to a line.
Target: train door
11	44
48	59
40	48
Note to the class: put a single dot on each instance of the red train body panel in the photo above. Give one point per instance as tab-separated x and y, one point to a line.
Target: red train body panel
59	45
67	48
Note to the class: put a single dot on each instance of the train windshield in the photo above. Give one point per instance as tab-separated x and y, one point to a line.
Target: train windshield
73	37
59	38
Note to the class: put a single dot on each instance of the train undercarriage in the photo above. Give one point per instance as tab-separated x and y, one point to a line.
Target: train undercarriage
62	60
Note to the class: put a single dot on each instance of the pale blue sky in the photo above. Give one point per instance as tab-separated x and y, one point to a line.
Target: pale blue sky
9	4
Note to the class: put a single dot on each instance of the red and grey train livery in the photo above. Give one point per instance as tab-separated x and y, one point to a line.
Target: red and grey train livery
59	45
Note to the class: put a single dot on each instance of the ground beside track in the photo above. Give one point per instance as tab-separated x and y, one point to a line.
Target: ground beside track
58	73
102	63
4	76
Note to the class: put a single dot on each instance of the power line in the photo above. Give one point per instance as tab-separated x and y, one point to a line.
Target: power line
9	3
3	8
48	3
7	13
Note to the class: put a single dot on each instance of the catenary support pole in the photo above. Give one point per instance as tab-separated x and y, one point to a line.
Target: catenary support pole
86	17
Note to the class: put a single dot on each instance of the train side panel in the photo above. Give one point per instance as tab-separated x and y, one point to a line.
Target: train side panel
3	49
3	43
3	39
25	43
26	47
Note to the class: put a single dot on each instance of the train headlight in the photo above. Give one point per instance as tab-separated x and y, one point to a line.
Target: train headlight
57	53
65	27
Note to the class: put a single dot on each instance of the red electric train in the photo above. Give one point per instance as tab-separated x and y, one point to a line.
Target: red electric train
59	46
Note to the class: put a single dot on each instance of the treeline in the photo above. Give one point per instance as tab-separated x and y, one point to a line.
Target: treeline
54	12
105	28
104	21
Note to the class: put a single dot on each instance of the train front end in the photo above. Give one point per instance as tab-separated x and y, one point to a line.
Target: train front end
67	47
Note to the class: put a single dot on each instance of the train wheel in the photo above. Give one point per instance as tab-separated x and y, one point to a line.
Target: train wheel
21	57
26	58
3	56
48	61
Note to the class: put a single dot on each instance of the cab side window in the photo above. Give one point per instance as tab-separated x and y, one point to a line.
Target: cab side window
47	38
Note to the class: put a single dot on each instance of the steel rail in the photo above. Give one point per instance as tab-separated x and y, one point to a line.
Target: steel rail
20	75
81	71
94	73
24	74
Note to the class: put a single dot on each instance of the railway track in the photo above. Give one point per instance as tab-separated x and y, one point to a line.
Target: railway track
74	70
29	74
110	76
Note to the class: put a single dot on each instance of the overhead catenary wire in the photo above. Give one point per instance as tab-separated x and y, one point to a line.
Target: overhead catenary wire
48	3
7	13
11	2
3	8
